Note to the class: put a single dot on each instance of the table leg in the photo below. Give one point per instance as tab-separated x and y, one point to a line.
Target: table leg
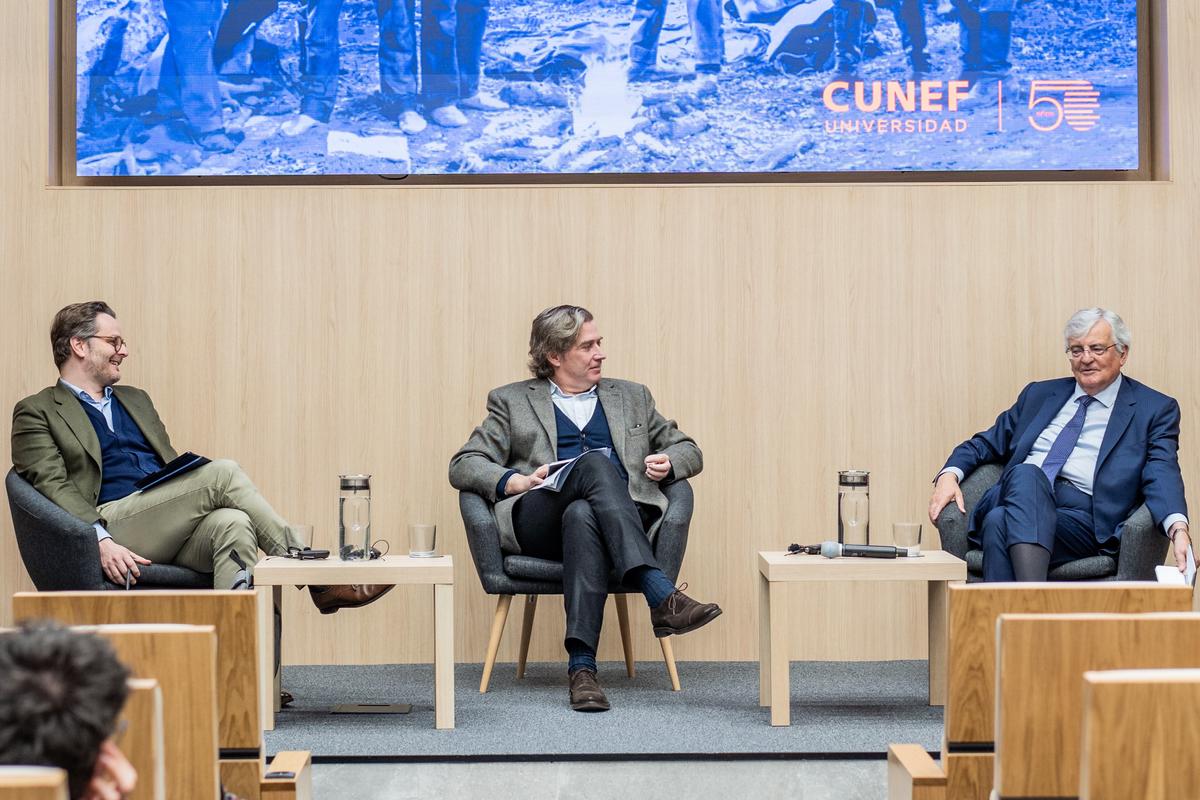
938	632
268	700
764	640
774	632
443	655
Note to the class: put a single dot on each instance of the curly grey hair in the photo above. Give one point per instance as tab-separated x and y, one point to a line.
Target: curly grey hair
1083	320
553	332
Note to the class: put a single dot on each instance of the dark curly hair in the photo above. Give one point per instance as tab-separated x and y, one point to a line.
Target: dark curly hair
60	694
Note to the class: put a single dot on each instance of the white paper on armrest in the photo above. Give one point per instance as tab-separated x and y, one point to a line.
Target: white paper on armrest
1168	573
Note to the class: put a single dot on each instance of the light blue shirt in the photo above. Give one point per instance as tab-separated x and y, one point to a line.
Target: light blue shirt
579	408
1080	468
105	408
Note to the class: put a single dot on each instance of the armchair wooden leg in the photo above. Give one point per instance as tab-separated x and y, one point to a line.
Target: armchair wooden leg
669	657
626	637
526	632
502	605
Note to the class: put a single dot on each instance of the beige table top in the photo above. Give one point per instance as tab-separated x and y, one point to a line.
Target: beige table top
932	565
281	571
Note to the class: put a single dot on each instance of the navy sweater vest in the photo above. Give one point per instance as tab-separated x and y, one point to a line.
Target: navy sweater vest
127	456
574	442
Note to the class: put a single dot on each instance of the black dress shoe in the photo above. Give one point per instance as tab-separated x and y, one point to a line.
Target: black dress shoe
680	614
285	698
329	599
586	694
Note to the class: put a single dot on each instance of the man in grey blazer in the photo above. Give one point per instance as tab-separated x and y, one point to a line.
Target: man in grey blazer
599	513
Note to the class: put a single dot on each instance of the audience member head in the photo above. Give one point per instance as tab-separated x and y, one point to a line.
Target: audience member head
1097	344
60	695
552	333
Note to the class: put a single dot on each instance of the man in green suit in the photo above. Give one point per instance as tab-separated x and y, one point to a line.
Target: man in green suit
85	441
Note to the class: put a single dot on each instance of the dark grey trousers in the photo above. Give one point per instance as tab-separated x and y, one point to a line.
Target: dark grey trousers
595	529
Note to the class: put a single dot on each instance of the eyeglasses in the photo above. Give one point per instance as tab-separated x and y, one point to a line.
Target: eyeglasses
117	342
1096	350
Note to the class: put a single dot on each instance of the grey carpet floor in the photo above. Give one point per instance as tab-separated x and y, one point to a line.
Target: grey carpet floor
838	708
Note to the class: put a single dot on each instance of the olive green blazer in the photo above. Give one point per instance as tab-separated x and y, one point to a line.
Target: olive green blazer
55	447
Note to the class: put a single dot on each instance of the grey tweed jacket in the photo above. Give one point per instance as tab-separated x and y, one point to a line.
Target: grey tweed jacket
520	433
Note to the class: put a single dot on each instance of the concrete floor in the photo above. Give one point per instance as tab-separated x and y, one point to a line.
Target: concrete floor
623	780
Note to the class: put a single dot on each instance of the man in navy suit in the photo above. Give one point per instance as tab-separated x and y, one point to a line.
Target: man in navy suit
1080	455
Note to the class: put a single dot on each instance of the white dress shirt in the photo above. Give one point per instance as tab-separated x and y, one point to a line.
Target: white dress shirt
579	408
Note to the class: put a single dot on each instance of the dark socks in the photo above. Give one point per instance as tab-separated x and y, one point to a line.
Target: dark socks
582	656
654	583
1030	562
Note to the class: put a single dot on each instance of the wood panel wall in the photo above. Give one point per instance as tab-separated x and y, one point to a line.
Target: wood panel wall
794	330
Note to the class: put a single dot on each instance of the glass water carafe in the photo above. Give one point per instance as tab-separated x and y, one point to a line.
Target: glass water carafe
854	506
354	517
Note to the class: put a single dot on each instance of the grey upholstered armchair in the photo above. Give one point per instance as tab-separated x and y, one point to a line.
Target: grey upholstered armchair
60	551
507	575
1143	547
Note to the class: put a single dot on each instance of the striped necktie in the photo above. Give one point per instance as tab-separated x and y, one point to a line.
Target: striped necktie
1060	451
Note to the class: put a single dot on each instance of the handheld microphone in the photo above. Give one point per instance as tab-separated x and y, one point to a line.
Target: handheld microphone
835	550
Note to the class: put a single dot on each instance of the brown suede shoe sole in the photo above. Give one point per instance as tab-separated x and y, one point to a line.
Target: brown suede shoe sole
590	705
340	603
663	632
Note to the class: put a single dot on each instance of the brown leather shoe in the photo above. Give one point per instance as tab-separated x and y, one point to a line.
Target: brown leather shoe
586	694
328	599
680	614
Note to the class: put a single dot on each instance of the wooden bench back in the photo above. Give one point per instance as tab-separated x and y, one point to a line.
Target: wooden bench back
1141	734
1040	662
183	660
236	617
142	739
974	608
33	783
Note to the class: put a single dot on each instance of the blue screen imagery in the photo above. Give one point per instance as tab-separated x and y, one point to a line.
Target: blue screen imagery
236	88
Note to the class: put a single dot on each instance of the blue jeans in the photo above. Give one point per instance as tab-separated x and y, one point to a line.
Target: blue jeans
848	17
242	17
320	56
1025	509
451	49
187	83
985	30
708	36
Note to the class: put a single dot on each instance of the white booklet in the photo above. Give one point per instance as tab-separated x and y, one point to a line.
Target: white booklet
559	470
1169	573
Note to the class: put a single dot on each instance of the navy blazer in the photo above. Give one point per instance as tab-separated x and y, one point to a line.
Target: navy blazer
1137	463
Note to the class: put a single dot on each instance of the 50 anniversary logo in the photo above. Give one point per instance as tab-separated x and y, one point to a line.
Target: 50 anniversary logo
895	107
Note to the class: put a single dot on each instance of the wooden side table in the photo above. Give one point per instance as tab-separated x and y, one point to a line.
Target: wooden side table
935	567
277	571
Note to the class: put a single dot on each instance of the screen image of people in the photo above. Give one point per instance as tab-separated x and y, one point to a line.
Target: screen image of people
463	87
